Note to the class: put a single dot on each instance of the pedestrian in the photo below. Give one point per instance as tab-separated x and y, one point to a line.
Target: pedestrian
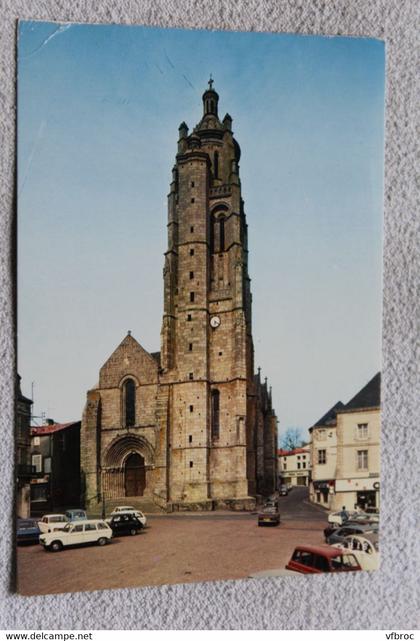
344	515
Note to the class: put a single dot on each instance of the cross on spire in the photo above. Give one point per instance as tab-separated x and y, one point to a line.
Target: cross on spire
211	81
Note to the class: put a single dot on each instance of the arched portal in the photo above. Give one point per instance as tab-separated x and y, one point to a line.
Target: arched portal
135	475
127	467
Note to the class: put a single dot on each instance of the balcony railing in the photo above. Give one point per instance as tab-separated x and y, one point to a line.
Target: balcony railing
221	190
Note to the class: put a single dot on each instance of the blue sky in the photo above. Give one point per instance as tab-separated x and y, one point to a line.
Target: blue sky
98	113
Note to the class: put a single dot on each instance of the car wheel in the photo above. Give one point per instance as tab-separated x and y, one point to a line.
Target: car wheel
102	541
56	546
133	532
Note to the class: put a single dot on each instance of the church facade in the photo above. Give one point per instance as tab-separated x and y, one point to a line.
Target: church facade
190	427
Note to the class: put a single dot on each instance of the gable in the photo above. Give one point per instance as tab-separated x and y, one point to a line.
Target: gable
129	359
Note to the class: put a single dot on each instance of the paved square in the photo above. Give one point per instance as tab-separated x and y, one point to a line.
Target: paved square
176	549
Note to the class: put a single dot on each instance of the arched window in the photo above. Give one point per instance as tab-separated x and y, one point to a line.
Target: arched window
129	402
217	233
215	414
216	164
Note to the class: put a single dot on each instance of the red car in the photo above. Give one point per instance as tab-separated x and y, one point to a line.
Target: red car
311	559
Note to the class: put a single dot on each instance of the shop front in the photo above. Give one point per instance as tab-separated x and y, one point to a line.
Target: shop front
363	493
323	492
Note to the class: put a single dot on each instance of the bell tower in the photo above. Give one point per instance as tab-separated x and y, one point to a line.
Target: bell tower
206	337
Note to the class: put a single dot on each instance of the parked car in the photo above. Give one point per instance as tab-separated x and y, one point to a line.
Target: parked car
272	501
335	517
125	523
340	534
52	522
27	531
283	491
371	510
365	548
76	515
77	533
364	517
333	527
269	515
128	509
310	559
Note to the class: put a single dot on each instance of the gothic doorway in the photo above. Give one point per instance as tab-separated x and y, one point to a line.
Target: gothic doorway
135	475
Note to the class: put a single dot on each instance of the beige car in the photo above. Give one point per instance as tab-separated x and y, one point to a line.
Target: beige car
77	533
52	522
364	547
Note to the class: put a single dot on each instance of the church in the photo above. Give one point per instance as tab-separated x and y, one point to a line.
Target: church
191	427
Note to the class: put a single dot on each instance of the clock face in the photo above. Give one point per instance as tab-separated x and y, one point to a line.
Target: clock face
215	321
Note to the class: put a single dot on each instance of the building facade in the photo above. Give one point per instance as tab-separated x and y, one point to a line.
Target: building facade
190	426
24	470
55	454
324	458
294	466
358	449
345	452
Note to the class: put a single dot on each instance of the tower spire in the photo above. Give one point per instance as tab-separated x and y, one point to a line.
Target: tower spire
210	99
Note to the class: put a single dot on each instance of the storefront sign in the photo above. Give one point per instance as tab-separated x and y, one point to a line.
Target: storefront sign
355	485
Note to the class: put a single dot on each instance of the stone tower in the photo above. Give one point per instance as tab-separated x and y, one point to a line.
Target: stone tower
190	427
206	339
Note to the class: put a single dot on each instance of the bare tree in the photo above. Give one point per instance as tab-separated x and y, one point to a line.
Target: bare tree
292	438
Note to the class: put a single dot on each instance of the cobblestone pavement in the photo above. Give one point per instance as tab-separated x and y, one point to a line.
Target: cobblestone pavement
175	549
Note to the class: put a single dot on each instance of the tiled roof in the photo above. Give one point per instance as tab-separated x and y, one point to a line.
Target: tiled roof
297	450
50	429
369	395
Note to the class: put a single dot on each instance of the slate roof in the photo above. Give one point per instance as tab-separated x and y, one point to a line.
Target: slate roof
369	395
330	416
42	430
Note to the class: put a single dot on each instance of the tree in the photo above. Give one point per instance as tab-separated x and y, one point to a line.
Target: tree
292	438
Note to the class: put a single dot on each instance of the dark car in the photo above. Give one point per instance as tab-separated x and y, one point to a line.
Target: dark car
340	533
333	527
272	502
27	531
311	559
269	515
125	524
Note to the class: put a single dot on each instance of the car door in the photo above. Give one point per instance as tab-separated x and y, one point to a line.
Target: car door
116	524
90	532
75	536
303	561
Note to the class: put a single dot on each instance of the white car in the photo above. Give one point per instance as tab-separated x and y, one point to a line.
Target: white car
52	522
129	509
365	548
335	517
77	533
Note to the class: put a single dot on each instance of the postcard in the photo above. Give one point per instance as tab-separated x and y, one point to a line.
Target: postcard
199	305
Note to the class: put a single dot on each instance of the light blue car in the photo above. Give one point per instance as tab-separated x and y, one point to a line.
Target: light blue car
76	515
